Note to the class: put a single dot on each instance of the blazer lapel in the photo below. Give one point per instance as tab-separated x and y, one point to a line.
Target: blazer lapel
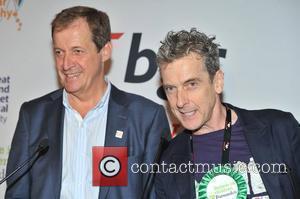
185	183
116	127
260	143
54	129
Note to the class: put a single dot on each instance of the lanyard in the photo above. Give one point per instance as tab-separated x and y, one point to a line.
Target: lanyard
226	140
227	137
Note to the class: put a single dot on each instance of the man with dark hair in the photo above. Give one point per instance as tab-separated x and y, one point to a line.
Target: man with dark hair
88	111
224	151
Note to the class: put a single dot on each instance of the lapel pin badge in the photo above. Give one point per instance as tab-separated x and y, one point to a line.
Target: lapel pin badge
119	134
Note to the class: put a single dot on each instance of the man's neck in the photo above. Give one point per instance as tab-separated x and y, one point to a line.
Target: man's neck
83	103
217	120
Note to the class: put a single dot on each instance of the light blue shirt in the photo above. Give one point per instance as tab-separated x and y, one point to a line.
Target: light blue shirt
80	135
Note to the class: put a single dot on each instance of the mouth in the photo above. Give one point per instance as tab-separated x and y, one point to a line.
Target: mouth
188	113
72	76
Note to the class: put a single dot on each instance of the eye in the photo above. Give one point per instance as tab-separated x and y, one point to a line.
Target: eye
58	53
169	89
192	84
77	51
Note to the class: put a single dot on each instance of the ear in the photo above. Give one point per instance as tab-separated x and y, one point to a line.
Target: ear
106	51
219	81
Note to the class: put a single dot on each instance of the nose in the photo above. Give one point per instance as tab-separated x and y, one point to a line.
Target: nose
67	62
182	98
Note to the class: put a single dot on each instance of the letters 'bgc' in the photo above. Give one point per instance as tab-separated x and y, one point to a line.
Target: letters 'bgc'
110	166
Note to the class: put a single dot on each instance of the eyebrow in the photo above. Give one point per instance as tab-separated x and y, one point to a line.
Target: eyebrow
185	82
192	80
167	85
74	47
55	48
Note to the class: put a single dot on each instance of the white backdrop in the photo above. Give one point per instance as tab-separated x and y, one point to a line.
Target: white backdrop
261	38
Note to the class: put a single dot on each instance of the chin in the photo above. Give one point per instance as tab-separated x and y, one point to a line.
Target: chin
71	90
192	125
189	126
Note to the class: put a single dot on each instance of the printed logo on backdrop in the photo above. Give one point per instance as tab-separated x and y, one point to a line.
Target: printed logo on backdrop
4	98
9	11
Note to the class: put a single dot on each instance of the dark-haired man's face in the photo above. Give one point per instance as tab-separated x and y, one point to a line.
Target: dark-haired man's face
79	64
191	93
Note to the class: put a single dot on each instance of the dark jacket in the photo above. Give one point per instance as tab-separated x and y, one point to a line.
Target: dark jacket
142	121
273	137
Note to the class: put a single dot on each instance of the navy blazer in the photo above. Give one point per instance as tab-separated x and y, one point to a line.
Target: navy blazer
273	137
142	121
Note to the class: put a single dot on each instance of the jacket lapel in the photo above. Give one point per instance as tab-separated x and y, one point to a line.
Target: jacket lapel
260	143
116	127
185	184
54	129
184	181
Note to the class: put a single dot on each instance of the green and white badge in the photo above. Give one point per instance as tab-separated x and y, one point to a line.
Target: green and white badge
222	182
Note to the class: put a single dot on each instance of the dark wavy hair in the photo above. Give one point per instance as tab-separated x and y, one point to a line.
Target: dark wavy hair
180	44
97	20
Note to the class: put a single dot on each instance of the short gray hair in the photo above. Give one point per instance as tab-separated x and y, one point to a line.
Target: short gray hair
180	44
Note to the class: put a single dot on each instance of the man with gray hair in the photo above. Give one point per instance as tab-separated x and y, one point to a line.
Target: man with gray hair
235	143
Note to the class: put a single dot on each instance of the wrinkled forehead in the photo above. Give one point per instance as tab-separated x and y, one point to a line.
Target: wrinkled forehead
191	58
